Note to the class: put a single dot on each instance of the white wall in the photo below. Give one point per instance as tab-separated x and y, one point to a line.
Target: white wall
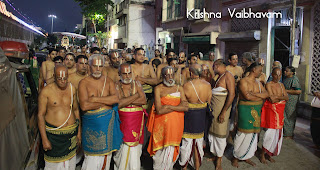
141	25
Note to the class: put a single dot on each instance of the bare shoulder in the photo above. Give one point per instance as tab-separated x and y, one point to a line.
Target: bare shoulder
47	90
137	83
108	80
205	83
84	81
158	87
181	89
243	81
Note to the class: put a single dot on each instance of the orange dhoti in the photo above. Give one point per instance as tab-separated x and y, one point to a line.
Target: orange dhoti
166	129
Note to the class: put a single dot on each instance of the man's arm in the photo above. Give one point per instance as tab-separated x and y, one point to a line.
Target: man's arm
160	109
243	88
230	84
85	104
76	112
107	100
159	68
42	109
43	69
151	81
142	100
183	106
264	94
294	92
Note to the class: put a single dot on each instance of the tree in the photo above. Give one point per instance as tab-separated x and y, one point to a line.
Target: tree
96	10
101	37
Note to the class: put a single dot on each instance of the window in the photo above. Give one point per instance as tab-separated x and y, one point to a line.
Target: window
199	4
173	8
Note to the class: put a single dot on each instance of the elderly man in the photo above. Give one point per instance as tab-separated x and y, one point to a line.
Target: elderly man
101	133
196	91
59	122
272	117
81	73
166	121
274	65
132	118
69	61
205	73
252	93
223	94
247	60
112	70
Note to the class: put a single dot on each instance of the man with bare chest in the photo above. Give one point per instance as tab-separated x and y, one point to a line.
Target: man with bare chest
69	61
178	78
132	116
166	121
251	95
82	65
101	133
169	54
193	59
112	70
59	122
145	74
223	94
47	68
272	117
196	91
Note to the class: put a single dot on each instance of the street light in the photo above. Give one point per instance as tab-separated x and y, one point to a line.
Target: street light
52	16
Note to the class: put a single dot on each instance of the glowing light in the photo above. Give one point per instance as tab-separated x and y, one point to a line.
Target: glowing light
4	11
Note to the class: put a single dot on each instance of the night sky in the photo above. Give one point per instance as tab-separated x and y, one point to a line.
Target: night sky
68	13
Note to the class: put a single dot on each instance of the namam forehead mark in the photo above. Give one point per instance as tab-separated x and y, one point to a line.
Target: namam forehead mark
97	62
62	74
205	67
169	71
127	70
83	60
69	57
261	61
278	72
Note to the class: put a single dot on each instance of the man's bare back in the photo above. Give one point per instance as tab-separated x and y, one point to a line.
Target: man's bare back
48	71
57	104
203	89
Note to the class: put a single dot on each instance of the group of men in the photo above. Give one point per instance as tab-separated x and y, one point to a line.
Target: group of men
185	104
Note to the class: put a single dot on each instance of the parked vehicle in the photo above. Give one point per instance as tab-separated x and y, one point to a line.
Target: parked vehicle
19	137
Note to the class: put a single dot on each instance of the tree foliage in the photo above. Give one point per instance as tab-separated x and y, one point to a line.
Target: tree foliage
92	8
52	39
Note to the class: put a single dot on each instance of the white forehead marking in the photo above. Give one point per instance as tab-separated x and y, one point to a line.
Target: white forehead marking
62	73
278	72
262	62
170	71
127	70
116	55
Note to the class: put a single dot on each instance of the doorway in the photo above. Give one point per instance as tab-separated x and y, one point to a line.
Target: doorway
281	44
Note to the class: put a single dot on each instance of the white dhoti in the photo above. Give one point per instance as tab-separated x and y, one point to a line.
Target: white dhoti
163	159
187	152
217	145
128	158
245	145
65	165
272	141
96	162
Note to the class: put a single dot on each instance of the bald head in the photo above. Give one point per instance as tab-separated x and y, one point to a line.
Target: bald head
61	76
125	73
204	67
195	70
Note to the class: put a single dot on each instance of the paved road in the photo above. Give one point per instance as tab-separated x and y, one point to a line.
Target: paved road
297	154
